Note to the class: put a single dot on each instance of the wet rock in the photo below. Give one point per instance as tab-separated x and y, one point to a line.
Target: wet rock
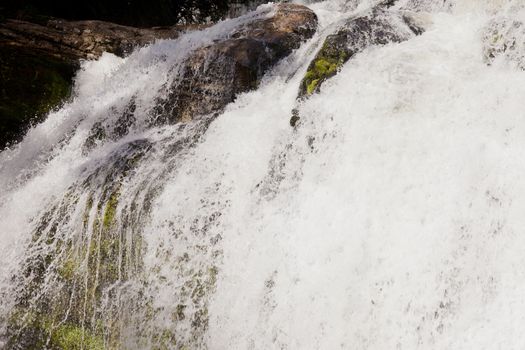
378	27
63	284
214	75
211	78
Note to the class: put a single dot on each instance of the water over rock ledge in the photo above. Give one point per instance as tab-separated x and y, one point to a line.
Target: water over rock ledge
39	60
95	264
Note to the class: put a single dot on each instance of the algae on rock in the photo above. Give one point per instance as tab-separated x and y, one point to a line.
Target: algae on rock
325	65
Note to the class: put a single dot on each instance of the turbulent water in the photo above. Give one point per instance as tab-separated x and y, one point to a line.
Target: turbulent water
392	216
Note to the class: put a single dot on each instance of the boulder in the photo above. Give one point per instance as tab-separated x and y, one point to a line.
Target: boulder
214	75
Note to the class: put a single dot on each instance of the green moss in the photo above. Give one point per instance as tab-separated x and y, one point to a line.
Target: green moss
111	210
45	334
26	330
165	341
325	65
109	262
69	268
72	337
311	86
82	267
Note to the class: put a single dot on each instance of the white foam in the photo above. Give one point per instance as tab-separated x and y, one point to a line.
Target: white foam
392	217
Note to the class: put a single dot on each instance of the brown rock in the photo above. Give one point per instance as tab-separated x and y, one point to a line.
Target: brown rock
73	40
216	74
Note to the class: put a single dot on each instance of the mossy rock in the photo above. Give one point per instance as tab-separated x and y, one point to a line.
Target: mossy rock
378	27
72	337
33	83
78	272
40	332
325	65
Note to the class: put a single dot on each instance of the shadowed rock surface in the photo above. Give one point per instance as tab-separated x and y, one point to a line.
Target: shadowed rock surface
32	84
38	62
137	13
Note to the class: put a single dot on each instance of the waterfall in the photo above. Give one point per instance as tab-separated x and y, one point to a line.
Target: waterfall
389	217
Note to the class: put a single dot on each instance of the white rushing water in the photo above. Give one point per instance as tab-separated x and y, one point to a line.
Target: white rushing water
391	217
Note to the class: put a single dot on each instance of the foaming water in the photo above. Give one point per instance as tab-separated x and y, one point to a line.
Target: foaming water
391	217
401	228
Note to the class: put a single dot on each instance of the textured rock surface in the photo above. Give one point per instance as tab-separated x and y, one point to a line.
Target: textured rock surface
80	39
214	75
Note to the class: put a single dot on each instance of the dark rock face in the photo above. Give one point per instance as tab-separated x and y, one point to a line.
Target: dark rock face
38	62
214	75
31	85
71	41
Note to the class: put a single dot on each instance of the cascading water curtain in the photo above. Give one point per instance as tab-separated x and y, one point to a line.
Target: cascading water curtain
389	216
